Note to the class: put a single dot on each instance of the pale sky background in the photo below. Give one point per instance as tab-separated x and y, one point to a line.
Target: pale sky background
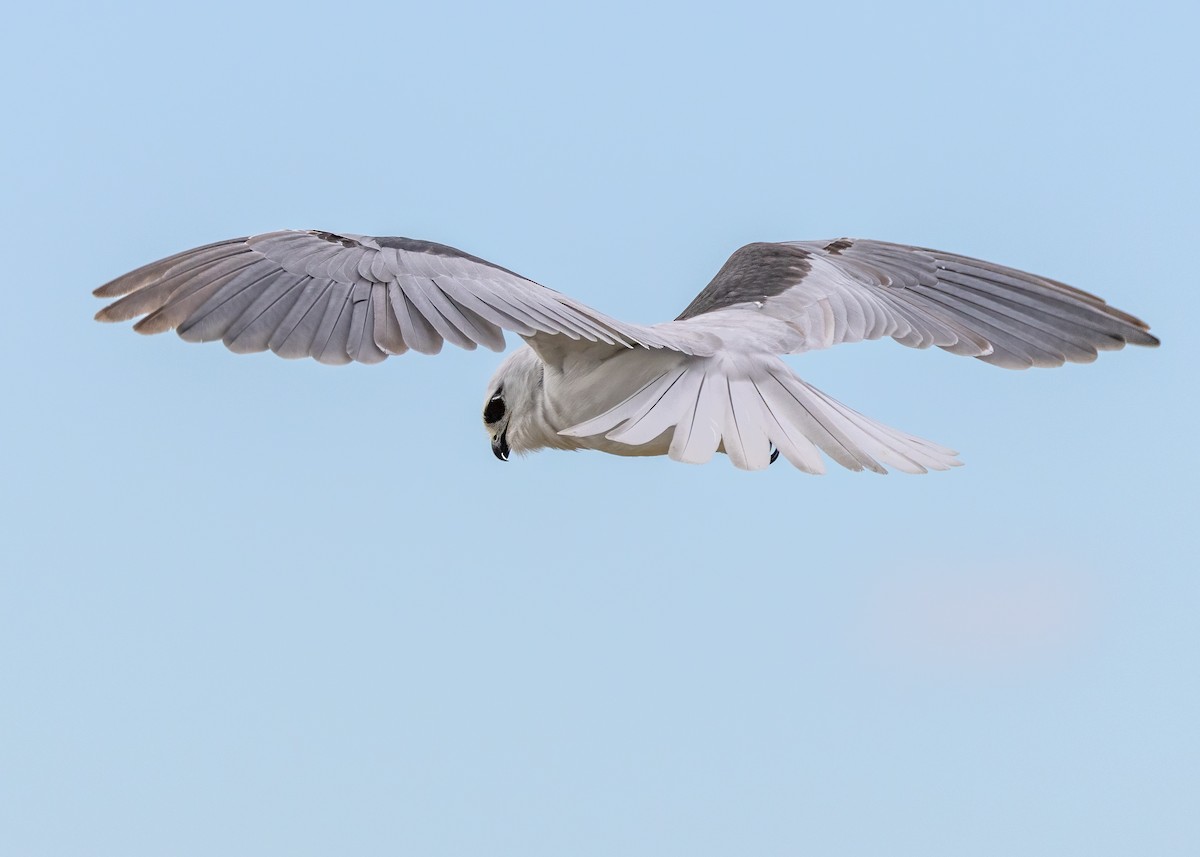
255	607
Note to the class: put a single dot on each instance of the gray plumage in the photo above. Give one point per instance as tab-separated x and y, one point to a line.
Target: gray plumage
751	275
709	381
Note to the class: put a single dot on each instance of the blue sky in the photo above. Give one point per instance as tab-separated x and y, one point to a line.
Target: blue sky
252	606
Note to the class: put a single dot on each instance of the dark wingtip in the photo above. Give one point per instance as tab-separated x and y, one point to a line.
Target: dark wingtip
111	289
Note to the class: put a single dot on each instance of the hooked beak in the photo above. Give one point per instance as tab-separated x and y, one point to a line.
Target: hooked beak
500	446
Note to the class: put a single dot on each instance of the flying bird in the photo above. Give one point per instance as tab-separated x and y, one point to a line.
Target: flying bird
710	381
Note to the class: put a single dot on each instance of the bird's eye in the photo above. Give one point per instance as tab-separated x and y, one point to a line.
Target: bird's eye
494	411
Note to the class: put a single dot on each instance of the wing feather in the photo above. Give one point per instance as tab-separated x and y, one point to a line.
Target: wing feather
1063	337
362	346
186	289
385	324
501	318
477	330
226	305
280	290
436	312
296	335
251	331
851	289
156	272
418	332
333	332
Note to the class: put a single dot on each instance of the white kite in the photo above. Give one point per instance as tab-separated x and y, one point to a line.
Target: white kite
709	381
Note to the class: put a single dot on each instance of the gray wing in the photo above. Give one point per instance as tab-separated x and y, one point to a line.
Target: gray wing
848	290
341	297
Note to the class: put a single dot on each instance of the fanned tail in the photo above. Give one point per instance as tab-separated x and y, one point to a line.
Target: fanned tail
743	405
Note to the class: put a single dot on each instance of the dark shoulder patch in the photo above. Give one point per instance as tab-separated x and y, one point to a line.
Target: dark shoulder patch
835	248
415	245
334	238
756	272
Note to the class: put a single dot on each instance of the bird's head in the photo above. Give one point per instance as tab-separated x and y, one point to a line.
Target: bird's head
511	407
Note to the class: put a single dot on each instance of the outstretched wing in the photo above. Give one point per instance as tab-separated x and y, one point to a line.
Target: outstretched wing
826	292
341	297
771	299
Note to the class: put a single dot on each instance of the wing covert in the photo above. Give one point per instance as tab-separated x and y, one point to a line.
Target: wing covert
848	290
340	297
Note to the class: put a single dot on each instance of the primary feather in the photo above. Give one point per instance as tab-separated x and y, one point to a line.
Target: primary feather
710	381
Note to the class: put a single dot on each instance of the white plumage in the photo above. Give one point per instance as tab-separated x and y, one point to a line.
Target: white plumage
710	381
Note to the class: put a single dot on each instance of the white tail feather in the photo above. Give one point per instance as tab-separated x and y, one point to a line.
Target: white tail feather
743	405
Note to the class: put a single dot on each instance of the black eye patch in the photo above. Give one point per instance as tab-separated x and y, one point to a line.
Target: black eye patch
493	412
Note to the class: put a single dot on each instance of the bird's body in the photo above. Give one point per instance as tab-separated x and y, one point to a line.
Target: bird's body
712	380
562	396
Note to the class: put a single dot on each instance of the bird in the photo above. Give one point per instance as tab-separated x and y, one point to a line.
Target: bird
712	380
